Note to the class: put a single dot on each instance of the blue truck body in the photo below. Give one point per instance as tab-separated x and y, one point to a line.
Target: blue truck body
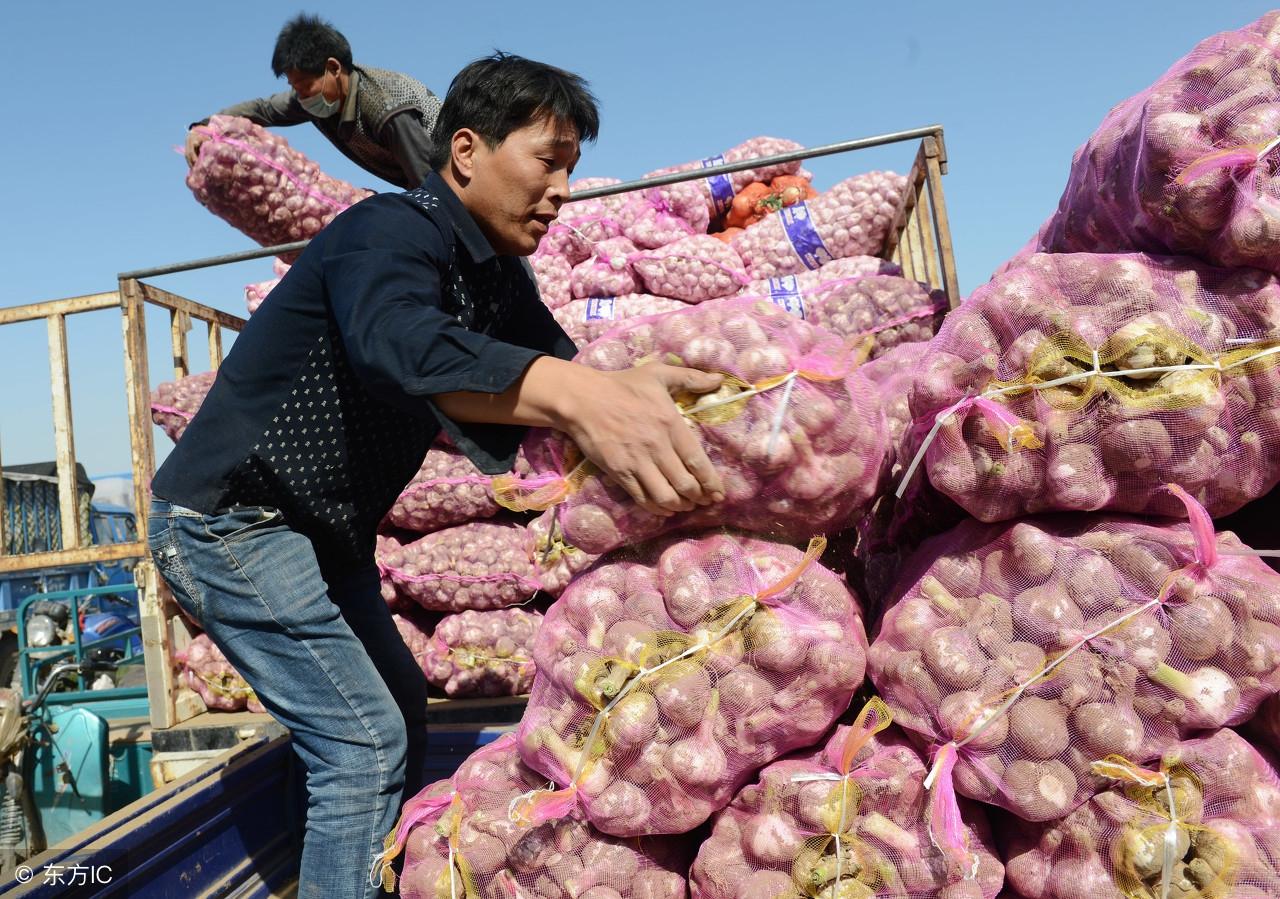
33	523
232	828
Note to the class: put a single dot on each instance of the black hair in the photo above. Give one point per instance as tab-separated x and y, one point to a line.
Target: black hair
305	43
499	94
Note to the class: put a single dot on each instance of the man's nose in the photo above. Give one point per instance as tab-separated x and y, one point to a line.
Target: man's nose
559	191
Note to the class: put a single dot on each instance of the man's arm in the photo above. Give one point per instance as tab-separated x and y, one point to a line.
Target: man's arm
382	268
278	109
625	422
409	137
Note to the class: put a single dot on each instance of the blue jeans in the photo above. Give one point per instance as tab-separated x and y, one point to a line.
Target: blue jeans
326	661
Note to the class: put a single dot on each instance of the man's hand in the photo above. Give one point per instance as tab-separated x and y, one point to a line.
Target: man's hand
194	139
626	422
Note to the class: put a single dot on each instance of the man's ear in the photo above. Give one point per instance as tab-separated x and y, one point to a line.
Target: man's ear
464	145
332	66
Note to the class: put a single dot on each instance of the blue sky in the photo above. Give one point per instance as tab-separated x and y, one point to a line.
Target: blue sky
99	94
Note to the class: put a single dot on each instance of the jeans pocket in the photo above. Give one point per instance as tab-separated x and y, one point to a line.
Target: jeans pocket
173	568
237	525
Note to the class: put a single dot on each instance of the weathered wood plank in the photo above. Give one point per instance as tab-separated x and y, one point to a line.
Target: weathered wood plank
68	306
64	433
85	555
137	379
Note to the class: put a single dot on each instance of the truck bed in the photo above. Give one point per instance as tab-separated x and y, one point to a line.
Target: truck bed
231	828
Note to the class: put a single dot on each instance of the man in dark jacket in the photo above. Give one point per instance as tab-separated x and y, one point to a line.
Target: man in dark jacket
409	314
380	120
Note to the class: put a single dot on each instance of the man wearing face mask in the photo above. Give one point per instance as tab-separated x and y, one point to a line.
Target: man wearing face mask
380	120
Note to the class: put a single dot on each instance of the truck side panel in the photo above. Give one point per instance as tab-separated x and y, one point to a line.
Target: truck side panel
231	828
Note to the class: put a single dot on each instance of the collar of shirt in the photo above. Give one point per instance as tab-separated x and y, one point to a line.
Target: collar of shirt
350	106
473	239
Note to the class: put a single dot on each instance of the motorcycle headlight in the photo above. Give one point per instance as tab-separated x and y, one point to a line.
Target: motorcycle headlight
41	631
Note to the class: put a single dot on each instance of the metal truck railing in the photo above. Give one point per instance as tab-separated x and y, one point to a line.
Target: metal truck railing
164	632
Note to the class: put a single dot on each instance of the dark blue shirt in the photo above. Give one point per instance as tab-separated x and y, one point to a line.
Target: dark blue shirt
322	408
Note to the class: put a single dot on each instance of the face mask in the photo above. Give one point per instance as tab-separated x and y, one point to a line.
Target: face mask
318	106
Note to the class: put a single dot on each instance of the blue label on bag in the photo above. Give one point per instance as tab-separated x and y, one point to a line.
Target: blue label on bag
600	309
798	224
721	186
785	292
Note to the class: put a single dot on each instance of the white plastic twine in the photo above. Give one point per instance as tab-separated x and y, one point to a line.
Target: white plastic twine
844	812
1095	372
779	415
1275	142
1170	841
1040	675
641	674
1130	773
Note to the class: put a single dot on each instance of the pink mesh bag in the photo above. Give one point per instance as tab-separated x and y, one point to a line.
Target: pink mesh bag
718	190
1023	653
1085	382
415	629
582	224
255	293
835	270
479	565
658	216
795	431
665	681
847	819
607	272
693	269
893	372
610	204
253	180
483	653
552	273
881	309
206	671
588	320
460	843
448	490
1199	821
175	403
850	219
1188	165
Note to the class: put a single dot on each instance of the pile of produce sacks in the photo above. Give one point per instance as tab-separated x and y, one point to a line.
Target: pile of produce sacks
1022	653
645	252
850	219
858	298
718	191
252	179
848	819
460	841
